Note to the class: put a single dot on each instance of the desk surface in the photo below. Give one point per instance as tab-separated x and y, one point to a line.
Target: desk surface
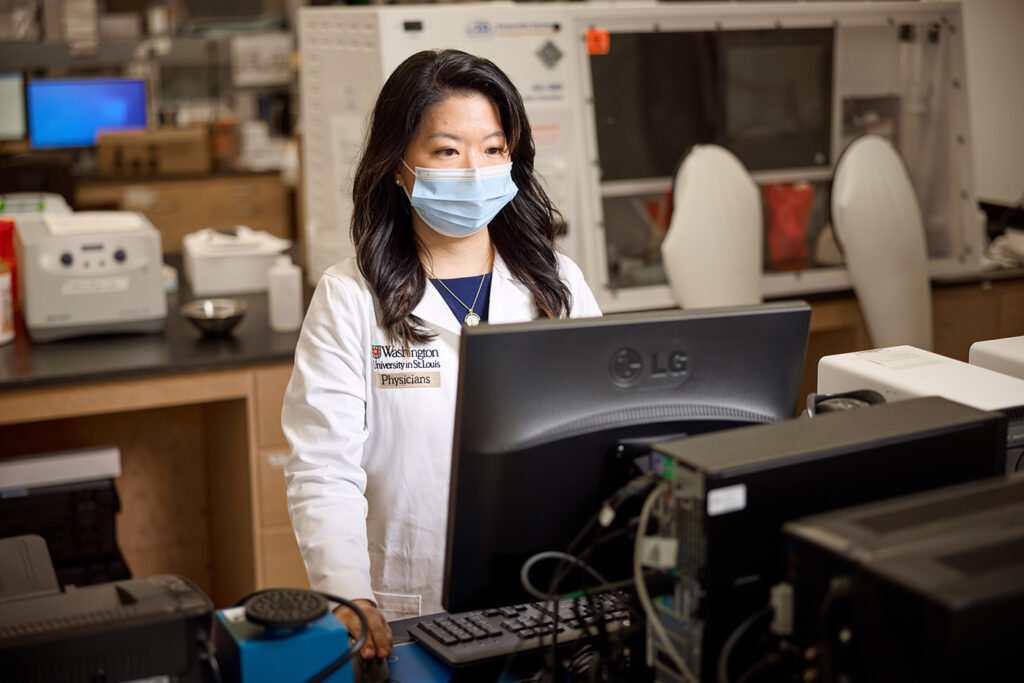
179	348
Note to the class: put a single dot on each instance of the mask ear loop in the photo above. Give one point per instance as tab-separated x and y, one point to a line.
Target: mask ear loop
406	204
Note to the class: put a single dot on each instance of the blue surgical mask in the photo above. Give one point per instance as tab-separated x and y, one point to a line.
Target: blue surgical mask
459	202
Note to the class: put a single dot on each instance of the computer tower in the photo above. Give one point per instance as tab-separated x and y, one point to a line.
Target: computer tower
926	587
732	491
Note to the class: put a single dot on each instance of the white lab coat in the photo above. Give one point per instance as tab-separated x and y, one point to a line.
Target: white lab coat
369	470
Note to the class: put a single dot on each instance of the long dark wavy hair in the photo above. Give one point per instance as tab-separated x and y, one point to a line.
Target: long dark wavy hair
386	249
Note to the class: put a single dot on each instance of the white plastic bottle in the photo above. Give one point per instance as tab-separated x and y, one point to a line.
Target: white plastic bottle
284	295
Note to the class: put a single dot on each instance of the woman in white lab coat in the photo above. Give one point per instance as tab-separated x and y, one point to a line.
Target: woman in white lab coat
369	411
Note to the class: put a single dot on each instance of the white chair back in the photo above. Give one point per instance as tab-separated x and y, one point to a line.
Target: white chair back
712	252
878	225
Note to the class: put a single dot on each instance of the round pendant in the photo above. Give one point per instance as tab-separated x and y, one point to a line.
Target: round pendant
471	319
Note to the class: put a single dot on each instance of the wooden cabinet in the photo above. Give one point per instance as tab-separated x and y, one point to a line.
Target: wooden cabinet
278	560
962	314
281	563
202	457
178	207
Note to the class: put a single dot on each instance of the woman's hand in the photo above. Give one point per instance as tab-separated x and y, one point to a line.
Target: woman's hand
378	644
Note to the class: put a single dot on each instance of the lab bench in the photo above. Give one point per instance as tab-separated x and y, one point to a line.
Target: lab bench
197	421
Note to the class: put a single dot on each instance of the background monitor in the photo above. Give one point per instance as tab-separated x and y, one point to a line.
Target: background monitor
72	112
551	414
12	106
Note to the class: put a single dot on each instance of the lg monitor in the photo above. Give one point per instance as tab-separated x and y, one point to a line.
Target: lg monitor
551	416
12	106
72	112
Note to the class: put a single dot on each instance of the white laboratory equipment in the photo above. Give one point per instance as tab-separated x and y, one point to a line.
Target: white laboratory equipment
617	93
1001	355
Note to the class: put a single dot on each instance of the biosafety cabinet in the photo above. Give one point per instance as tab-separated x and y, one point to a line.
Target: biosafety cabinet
348	53
618	93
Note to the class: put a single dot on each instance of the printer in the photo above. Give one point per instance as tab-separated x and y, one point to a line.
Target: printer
90	272
153	629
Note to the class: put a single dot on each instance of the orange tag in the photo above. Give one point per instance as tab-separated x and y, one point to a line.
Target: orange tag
598	41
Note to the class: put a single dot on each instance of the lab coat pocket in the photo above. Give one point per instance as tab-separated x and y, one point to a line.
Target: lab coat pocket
394	606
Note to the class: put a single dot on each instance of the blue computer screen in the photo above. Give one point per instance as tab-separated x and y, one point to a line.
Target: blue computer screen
72	112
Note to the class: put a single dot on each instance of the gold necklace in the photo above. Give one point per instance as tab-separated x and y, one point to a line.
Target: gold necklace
471	319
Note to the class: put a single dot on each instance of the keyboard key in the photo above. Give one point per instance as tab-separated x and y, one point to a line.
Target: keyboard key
430	630
439	634
512	626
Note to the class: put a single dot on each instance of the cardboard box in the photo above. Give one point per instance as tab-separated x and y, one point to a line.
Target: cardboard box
167	151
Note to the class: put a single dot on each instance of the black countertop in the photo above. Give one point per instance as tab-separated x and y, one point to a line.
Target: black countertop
179	348
182	348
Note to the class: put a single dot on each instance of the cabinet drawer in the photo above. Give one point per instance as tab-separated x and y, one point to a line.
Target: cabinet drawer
273	503
271	382
282	563
962	316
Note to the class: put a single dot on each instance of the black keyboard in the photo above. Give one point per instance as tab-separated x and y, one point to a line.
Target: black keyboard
474	637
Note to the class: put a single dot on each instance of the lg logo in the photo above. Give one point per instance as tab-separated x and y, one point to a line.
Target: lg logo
629	366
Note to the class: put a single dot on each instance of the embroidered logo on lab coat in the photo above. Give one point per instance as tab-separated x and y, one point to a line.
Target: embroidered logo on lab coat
395	367
406	380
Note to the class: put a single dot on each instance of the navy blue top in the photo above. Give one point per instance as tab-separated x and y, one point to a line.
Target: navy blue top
465	288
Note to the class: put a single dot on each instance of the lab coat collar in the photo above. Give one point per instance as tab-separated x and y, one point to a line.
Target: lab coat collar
510	301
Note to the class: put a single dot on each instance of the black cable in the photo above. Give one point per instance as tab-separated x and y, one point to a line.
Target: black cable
207	656
734	639
634	487
838	587
766	663
353	649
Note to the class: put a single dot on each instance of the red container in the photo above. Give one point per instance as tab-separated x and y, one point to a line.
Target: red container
8	254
